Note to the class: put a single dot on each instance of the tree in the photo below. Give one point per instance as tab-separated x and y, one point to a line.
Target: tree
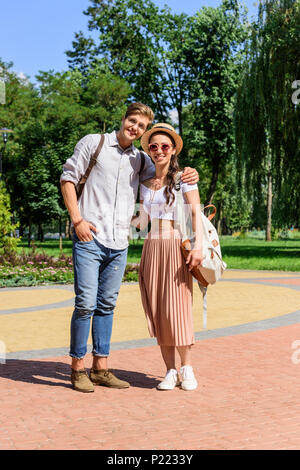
267	121
142	44
7	228
48	122
22	112
213	54
174	63
76	104
40	196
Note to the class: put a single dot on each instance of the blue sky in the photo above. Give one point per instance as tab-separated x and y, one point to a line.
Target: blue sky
34	34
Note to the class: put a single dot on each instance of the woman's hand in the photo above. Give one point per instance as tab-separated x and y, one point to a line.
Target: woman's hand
136	220
141	219
195	258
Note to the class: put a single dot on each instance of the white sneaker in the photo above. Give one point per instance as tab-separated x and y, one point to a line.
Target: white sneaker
189	381
170	381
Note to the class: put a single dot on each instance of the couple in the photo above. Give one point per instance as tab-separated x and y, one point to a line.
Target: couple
101	219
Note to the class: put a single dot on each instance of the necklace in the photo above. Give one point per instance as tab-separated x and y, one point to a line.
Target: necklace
162	207
153	191
157	185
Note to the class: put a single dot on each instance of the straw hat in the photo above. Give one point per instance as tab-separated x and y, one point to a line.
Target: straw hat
165	128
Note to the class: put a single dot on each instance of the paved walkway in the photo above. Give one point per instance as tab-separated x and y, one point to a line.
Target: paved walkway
247	363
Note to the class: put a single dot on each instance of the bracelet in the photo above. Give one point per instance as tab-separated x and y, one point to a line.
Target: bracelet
79	222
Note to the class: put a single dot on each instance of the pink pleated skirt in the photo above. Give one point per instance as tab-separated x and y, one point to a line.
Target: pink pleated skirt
166	287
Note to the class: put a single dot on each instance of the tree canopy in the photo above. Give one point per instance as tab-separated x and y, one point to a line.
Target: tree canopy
230	87
267	119
47	122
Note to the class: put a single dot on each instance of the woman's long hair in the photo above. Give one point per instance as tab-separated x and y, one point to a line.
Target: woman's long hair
173	169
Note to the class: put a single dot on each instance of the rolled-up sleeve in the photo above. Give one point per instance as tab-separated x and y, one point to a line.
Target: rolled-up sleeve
76	165
186	187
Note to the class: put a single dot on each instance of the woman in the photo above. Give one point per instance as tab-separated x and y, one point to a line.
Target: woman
164	277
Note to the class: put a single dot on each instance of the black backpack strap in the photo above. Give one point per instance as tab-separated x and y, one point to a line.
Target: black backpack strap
142	162
92	162
142	158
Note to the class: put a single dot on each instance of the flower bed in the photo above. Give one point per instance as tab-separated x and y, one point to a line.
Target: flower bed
40	269
34	269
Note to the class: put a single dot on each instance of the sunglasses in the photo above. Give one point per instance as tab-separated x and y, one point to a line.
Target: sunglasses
155	147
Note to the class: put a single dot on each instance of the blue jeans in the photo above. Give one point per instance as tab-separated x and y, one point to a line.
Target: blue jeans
98	273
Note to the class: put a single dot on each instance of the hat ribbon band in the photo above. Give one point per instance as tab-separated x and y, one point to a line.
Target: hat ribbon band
162	127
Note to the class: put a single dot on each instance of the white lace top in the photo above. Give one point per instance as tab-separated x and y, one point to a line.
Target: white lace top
155	203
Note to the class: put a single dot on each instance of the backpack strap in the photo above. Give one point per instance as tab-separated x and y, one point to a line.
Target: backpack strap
204	311
92	162
142	162
142	159
211	216
180	221
177	180
182	226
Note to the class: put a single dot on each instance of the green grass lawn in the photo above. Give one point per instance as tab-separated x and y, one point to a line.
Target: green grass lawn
47	265
51	247
280	255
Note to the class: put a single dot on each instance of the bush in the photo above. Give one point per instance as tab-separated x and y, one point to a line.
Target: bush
7	241
131	272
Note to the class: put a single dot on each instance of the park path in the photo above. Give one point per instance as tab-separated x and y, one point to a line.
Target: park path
247	363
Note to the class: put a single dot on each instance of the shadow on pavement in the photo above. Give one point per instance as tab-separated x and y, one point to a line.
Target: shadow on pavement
58	374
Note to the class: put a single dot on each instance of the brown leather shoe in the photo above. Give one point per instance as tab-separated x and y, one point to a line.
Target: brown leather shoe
107	378
81	382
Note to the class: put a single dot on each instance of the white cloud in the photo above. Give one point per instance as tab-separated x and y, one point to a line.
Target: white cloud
174	116
22	76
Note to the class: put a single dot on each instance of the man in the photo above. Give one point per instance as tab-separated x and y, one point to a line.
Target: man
101	221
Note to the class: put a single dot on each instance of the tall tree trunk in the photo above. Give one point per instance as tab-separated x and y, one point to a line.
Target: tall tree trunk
60	235
213	182
219	223
29	233
179	113
269	208
68	228
40	236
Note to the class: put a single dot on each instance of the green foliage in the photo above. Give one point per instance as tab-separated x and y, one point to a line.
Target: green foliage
78	104
47	124
41	266
225	84
234	207
213	53
7	241
175	63
28	269
267	120
40	196
140	43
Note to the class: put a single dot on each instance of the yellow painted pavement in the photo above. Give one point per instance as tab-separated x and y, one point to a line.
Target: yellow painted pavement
229	304
236	274
27	297
24	298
